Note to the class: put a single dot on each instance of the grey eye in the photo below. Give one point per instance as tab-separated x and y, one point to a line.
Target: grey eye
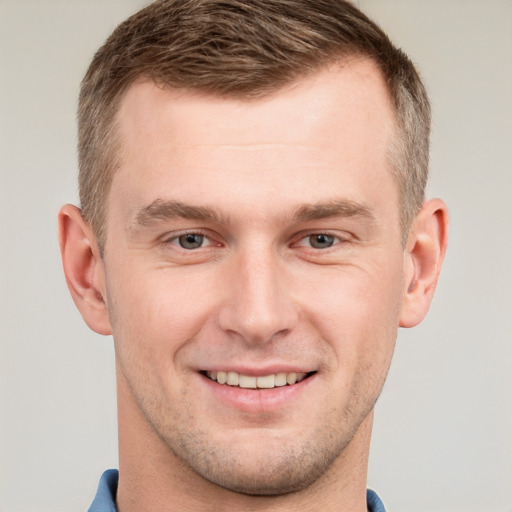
191	241
321	241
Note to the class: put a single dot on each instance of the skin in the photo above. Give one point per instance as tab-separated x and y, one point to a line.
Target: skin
256	182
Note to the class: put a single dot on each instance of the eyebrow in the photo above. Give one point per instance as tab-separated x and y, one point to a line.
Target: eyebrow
160	210
337	208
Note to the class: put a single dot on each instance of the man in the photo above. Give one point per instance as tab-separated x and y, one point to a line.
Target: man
252	231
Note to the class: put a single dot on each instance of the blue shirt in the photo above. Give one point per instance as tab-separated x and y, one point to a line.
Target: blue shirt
105	500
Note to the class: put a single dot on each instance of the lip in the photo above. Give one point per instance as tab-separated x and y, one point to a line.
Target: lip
256	401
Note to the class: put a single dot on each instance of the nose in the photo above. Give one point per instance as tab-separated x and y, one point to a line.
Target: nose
258	305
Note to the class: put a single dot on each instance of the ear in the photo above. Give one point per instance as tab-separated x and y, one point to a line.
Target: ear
425	252
83	268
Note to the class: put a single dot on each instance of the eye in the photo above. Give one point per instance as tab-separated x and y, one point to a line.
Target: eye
192	241
321	240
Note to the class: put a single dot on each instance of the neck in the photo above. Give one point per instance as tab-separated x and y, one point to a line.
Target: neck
152	478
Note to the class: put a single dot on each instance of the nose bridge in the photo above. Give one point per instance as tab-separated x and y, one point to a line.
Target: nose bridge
259	303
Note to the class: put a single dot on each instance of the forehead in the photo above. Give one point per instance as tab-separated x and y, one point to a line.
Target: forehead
354	88
338	121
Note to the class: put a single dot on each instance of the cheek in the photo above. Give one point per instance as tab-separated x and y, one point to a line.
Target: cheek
153	317
159	314
357	311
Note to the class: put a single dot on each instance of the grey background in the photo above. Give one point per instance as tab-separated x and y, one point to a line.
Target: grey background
443	432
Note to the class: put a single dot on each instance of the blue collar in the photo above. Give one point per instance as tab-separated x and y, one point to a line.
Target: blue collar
105	500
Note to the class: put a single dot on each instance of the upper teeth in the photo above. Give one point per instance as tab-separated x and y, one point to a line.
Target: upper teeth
249	381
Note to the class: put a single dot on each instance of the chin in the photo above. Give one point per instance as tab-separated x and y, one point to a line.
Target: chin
267	481
276	469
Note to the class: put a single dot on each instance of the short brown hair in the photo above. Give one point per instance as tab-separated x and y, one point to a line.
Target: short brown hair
243	49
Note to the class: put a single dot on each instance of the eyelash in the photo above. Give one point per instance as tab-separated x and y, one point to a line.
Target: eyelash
175	240
305	236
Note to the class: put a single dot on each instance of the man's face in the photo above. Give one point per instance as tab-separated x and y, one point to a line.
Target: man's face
255	241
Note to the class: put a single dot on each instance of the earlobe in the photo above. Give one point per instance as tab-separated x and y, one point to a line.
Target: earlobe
83	268
426	248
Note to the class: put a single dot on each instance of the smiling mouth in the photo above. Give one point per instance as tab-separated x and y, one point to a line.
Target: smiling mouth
274	380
